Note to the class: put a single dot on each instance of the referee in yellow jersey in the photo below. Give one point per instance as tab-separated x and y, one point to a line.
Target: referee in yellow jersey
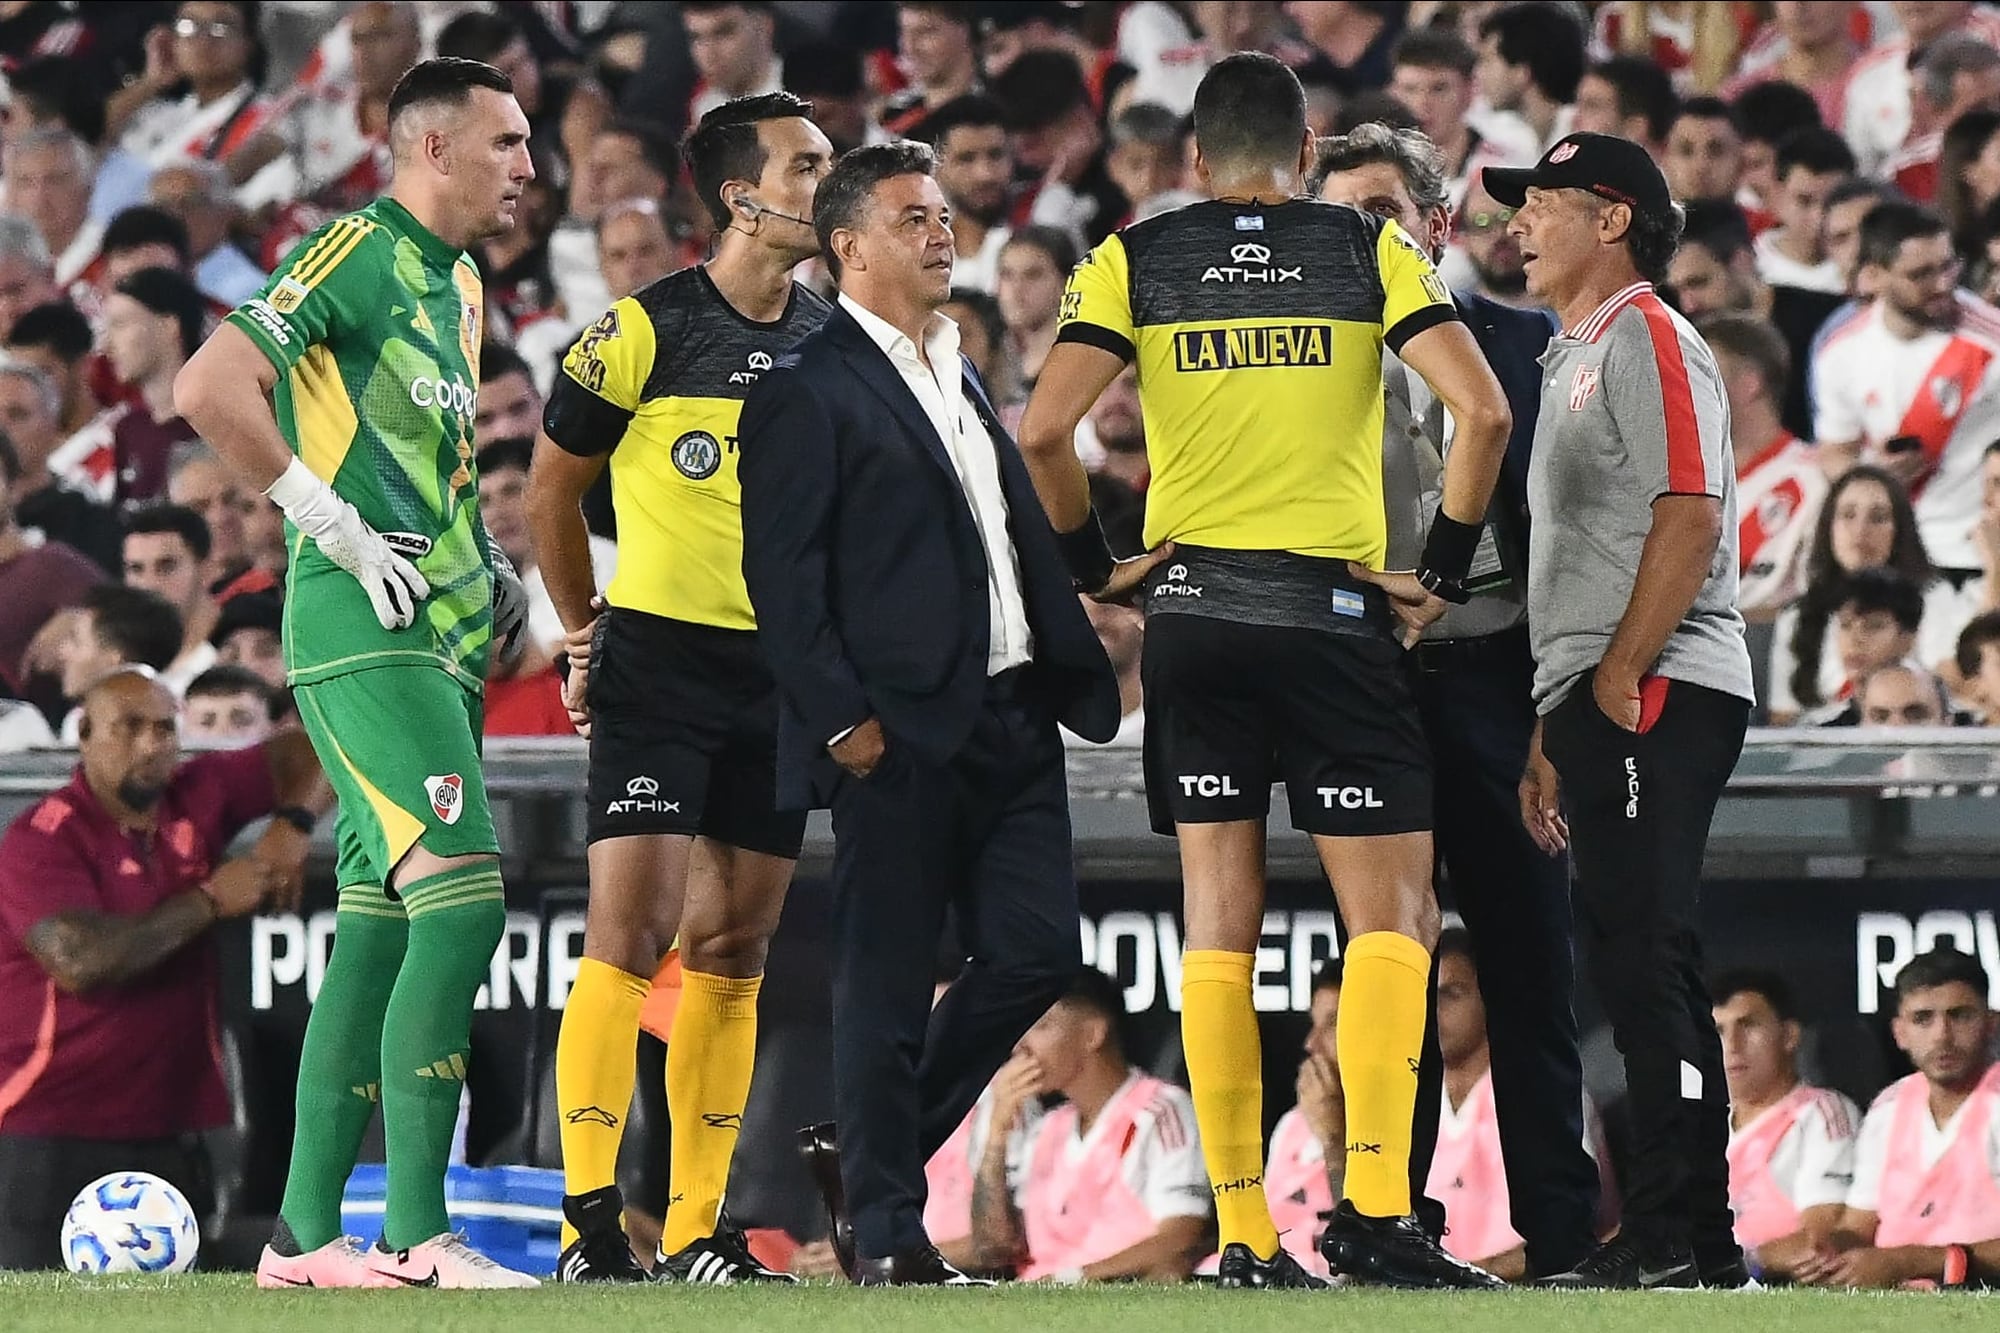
1257	321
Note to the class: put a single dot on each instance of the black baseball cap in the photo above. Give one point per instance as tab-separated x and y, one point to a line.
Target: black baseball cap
1604	164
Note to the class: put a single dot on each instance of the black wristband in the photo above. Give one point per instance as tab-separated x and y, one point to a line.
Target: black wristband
1449	549
1087	554
1452	590
300	818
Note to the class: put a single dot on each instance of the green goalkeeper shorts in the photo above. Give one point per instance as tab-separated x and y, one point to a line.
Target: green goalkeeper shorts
400	744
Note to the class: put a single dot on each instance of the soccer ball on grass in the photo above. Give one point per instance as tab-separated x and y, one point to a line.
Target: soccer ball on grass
130	1222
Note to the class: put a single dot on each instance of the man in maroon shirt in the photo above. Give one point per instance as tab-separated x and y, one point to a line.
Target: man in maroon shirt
153	321
41	578
109	1054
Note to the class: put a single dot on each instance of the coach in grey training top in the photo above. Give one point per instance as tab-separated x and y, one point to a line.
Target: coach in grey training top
1642	679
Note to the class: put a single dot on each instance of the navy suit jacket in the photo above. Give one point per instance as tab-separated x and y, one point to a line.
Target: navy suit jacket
1513	341
867	572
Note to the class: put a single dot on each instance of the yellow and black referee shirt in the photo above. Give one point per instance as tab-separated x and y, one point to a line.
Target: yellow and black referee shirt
658	383
1258	332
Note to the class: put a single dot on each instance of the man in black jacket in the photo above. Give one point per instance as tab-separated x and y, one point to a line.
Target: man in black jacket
920	624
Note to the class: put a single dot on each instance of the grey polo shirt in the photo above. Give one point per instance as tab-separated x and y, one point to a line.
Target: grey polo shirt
1632	409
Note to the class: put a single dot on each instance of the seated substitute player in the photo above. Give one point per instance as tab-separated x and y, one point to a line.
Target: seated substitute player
1257	321
684	831
1925	1204
1110	1185
1791	1145
346	391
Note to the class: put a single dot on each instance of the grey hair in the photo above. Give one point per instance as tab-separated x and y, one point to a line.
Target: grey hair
1410	152
38	380
1948	57
56	136
22	239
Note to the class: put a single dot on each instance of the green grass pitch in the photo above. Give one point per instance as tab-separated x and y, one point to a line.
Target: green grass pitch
42	1303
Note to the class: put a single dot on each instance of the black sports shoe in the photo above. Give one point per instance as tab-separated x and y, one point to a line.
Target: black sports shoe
1396	1252
1723	1273
720	1260
1240	1267
600	1252
1629	1263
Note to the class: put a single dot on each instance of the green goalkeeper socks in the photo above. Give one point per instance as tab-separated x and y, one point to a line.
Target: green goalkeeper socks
340	1063
456	920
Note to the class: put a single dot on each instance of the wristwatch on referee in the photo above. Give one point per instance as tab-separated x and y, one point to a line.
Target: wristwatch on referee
1448	553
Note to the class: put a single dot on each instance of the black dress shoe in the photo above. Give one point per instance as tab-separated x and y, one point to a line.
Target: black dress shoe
1240	1268
1630	1263
1396	1252
923	1267
821	1148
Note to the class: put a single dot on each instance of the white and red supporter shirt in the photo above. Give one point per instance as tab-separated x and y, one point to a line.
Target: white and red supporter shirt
1942	387
169	131
1778	495
1795	1154
1877	112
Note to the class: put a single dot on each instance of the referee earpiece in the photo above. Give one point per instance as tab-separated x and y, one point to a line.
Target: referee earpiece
743	205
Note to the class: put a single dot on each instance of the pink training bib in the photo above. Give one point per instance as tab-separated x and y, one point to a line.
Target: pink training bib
1764	1212
1468	1178
948	1180
1956	1201
1077	1214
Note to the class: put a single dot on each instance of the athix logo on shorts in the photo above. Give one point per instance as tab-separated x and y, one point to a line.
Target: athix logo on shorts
1349	798
1177	584
1581	387
1251	262
759	362
1631	787
1208	784
642	797
447	794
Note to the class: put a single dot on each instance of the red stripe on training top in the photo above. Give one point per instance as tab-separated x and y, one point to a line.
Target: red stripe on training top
1685	473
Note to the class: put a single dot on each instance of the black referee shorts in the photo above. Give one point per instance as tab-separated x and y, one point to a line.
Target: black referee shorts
1232	708
683	737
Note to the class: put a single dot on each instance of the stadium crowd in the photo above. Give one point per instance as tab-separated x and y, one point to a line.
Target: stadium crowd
1840	168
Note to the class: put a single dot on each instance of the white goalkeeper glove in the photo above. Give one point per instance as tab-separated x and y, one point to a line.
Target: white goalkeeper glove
510	599
392	582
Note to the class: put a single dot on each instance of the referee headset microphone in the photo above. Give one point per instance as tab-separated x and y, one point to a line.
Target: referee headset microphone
755	209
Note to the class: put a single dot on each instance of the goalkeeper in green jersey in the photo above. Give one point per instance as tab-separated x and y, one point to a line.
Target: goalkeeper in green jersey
346	389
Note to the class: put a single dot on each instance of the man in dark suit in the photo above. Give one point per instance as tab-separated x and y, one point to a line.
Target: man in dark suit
1472	674
926	641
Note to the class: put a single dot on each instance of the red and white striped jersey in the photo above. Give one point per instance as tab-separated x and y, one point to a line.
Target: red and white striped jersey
1878	120
1943	387
1778	495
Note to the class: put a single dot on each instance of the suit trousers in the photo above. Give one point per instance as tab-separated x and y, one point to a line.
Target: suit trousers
987	833
1478	710
1639	806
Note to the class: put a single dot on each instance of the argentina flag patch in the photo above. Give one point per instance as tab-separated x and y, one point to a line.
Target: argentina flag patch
1346	603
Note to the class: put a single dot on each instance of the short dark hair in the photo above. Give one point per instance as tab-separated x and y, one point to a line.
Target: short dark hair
1890	224
141	626
62	88
1054	242
166	292
1148	122
1099	992
656	144
444	81
1250	108
1817	149
1770	110
1768	985
725	146
1982	631
1751	338
143	224
1709	108
1039	88
1652	239
1718	226
961	112
56	325
1860	187
226	678
478	35
825	69
848	187
1454	940
710	6
497	359
183	522
1940	967
1880	588
1372	106
982	305
1642	88
1544	37
1434	48
952	11
509	451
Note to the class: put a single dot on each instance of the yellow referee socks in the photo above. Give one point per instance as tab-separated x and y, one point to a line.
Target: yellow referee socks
709	1061
596	1058
1225	1073
1380	1035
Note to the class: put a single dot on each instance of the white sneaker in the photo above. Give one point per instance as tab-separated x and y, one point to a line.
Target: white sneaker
447	1262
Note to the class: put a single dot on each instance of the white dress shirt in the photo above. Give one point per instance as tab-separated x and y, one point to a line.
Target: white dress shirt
940	389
